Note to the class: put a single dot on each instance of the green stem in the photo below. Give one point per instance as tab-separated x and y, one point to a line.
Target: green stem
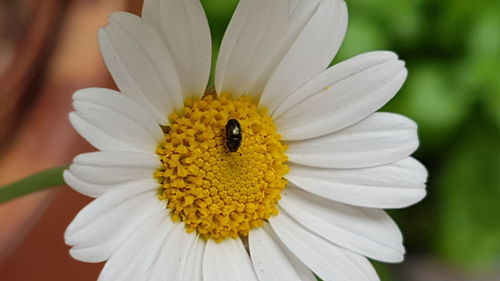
36	182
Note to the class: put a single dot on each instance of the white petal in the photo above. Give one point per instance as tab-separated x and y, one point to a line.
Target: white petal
381	138
86	188
96	173
341	96
363	264
271	261
111	122
137	253
369	232
335	74
120	103
395	185
117	133
258	36
328	261
96	240
107	202
246	50
173	255
96	136
227	261
193	268
114	167
184	29
141	65
310	53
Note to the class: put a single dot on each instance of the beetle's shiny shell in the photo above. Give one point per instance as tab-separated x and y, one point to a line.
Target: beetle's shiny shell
233	135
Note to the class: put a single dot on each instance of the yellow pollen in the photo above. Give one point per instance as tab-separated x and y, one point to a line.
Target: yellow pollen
215	192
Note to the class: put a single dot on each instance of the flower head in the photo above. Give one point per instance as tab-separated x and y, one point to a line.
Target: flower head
279	173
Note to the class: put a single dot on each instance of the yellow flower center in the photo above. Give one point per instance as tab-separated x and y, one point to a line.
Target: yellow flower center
214	191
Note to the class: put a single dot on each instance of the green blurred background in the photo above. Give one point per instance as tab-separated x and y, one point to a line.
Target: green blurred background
48	49
452	52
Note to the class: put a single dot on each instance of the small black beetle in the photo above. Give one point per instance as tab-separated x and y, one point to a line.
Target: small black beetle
233	135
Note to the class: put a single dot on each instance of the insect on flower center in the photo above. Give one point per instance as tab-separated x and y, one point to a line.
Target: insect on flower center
216	189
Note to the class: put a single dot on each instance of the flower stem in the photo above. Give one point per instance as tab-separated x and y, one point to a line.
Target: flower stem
36	182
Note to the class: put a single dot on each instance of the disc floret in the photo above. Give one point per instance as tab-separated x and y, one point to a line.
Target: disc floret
216	192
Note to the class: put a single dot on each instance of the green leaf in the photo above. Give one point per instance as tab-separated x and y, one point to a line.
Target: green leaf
39	181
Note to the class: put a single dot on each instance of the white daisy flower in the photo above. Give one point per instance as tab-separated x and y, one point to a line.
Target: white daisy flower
179	198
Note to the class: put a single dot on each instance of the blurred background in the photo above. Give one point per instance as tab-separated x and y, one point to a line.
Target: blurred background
48	49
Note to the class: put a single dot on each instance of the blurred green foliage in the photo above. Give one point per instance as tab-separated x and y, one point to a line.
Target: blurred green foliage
468	228
452	51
